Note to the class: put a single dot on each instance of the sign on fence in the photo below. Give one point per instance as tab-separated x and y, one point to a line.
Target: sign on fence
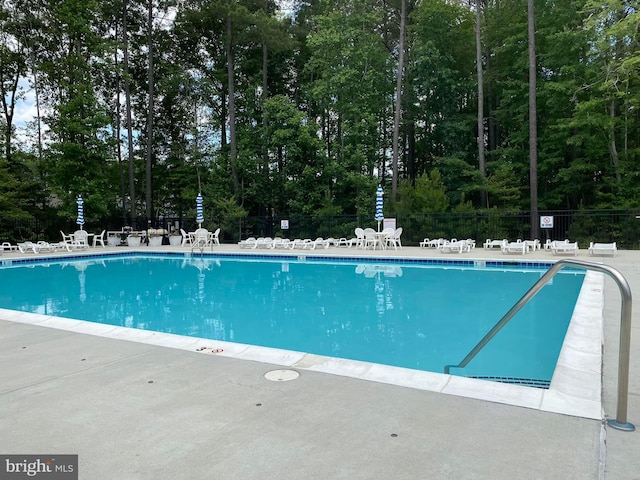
546	221
389	223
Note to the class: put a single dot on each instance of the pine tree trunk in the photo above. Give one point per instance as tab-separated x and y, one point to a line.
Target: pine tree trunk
398	107
233	152
127	93
533	125
149	114
484	201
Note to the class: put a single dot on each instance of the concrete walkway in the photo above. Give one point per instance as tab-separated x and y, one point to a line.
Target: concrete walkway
136	411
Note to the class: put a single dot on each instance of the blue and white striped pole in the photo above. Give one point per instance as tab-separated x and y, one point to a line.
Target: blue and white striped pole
199	210
379	204
80	219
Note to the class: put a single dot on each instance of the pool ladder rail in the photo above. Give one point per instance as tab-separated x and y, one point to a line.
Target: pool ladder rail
620	422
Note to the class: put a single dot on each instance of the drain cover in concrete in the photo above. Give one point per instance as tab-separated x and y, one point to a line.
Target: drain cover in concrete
281	375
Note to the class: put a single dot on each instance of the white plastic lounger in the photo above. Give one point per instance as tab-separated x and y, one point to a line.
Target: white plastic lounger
301	243
533	245
41	246
7	247
280	242
489	244
25	247
435	243
564	247
50	247
458	246
602	249
318	242
266	242
515	247
248	243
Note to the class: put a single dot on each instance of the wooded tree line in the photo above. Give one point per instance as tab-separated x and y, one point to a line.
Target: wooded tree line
141	104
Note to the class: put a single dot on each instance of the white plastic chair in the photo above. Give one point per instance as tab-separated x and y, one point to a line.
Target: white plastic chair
393	240
99	239
187	238
370	239
358	240
66	237
215	235
201	239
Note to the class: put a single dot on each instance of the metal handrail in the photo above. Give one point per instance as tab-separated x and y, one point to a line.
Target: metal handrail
620	421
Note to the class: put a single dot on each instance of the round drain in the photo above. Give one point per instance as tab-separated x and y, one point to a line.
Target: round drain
281	375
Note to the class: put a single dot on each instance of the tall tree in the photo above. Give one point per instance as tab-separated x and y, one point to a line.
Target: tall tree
13	67
398	100
150	113
128	113
484	202
533	122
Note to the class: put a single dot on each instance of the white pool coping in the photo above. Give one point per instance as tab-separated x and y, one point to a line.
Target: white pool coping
575	388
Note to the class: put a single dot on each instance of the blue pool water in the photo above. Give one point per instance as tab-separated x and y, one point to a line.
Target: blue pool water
412	315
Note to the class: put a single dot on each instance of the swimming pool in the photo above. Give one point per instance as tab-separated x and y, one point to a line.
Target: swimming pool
417	315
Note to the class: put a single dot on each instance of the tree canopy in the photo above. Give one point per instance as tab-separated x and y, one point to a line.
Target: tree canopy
293	113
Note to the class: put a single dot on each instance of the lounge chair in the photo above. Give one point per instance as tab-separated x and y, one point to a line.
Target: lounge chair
454	246
334	242
533	245
435	243
43	246
319	242
602	249
301	243
7	247
255	243
40	247
283	243
342	242
24	247
489	244
248	243
565	246
514	247
264	242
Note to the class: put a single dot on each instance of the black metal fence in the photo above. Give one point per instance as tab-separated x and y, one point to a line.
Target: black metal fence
583	226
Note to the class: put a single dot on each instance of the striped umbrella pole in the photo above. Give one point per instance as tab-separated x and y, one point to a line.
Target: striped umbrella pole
199	210
379	204
80	219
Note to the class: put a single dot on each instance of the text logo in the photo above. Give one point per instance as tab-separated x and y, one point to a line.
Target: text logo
49	467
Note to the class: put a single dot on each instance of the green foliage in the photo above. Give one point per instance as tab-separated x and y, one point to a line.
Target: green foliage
427	194
231	217
313	112
460	179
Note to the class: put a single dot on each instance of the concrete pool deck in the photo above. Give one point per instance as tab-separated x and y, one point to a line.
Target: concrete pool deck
135	411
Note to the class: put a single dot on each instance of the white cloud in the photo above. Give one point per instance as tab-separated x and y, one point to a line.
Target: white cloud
25	109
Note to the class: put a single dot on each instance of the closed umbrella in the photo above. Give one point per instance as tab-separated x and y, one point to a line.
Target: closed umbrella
199	210
379	203
80	219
